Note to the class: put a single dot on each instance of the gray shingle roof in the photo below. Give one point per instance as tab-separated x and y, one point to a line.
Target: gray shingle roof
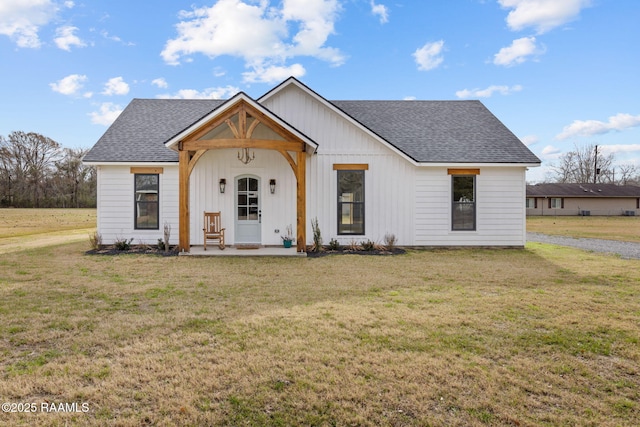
441	131
426	131
582	190
140	131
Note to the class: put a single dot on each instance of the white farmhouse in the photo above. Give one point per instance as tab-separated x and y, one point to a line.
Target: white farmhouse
434	173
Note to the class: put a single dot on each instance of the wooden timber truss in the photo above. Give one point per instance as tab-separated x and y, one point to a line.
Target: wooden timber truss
242	120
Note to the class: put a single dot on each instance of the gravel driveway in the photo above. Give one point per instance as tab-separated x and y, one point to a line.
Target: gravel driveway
627	250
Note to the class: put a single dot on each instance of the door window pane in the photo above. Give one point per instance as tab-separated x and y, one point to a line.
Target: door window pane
248	200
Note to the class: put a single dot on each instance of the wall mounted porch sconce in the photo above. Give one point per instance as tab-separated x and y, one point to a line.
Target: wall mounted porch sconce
223	184
272	185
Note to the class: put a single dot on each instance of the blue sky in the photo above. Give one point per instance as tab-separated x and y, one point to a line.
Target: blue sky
558	73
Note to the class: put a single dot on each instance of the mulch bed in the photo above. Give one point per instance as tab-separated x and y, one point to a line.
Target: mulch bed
135	249
151	250
347	251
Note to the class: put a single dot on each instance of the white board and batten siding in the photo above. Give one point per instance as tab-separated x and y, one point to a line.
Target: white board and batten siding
389	188
408	200
278	209
115	196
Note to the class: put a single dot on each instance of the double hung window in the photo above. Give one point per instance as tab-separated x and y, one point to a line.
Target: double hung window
463	203
351	202
147	188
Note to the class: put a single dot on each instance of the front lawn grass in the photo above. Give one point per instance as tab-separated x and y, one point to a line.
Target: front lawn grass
622	228
470	337
27	222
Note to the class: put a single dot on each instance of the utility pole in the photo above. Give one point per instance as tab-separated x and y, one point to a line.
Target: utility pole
595	166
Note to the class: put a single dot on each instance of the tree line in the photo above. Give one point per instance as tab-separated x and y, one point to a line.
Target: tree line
37	172
588	164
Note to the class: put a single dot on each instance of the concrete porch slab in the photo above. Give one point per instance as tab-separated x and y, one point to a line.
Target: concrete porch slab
213	250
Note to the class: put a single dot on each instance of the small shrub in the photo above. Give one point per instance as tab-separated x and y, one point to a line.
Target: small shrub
95	240
334	245
317	236
122	244
354	246
167	235
368	245
161	245
390	241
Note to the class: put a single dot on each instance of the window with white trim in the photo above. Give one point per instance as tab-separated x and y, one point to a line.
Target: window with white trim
556	203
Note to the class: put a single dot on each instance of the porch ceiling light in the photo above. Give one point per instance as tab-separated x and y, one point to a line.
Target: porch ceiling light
244	157
223	184
272	185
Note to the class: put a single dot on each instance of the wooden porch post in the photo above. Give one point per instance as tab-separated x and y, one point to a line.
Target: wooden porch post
183	197
301	175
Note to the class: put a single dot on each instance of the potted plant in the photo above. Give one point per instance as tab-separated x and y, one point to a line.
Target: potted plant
287	239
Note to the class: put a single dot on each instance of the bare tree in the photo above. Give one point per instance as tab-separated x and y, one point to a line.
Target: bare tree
27	162
12	173
74	182
583	165
627	174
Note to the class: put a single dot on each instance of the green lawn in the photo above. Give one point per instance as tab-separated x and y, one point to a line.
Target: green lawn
621	228
474	337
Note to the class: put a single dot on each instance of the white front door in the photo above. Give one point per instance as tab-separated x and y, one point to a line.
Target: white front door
248	214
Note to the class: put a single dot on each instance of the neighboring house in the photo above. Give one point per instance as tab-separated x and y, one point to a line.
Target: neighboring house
583	199
433	173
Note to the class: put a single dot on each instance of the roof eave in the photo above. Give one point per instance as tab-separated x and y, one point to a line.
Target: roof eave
478	164
123	163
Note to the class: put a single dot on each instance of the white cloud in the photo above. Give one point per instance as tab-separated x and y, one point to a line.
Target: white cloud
518	52
106	114
381	10
65	38
108	36
618	122
409	98
160	82
551	153
115	86
488	92
529	140
257	33
22	19
70	85
69	4
543	15
273	74
209	93
619	148
429	56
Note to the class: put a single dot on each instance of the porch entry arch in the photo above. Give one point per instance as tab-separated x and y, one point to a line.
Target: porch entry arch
241	125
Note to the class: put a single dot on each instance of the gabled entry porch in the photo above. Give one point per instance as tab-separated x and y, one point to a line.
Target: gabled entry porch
241	125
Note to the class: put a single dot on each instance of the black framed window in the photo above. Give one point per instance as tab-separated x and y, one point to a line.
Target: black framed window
351	202
463	209
146	203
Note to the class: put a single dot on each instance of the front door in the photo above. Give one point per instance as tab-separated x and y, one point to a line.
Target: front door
248	214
